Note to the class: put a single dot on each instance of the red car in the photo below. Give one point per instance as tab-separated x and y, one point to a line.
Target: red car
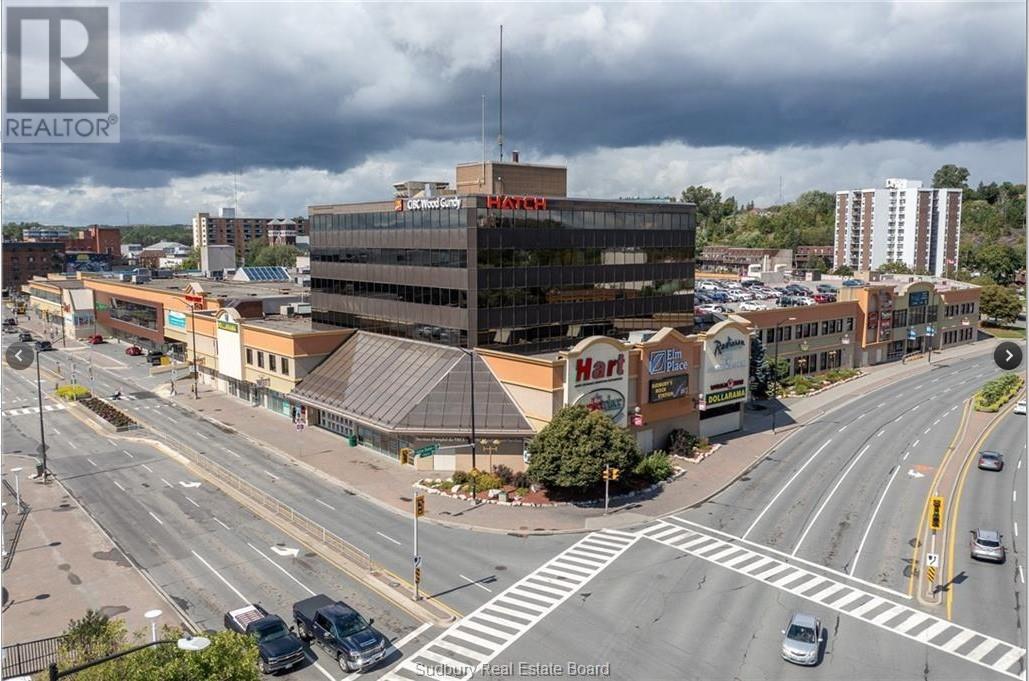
825	298
134	350
95	340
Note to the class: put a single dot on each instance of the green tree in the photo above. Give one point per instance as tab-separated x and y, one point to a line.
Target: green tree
279	255
230	657
571	451
951	176
1000	304
843	271
151	234
999	261
760	370
818	264
192	262
895	267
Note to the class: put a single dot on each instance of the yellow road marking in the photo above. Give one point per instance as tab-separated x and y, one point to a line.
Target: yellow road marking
958	489
920	529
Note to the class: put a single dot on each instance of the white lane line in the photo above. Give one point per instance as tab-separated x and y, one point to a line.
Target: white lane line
1014	495
233	453
871	521
880	433
473	582
916	407
906	455
788	482
72	444
384	536
880	405
936	422
91	461
199	434
269	474
919	386
191	501
860	416
325	504
825	503
218	575
167	483
56	432
1021	575
118	485
1019	467
898	419
159	521
221	523
1016	529
127	453
915	443
147	467
842	429
282	569
935	380
926	431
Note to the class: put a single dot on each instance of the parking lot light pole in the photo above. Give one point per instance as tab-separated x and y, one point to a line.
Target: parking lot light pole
193	324
42	435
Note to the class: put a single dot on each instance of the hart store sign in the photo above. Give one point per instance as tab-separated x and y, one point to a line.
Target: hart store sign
597	377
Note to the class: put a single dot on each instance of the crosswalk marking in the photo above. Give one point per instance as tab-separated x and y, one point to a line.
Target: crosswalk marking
913	624
22	411
468	643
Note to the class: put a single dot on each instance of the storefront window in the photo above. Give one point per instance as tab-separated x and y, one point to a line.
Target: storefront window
134	313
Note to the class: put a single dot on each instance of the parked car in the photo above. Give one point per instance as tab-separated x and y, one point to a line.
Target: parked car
25	337
277	646
853	282
10	321
824	298
802	640
43	346
1020	407
134	350
710	309
340	631
751	306
719	296
991	461
826	288
154	357
986	545
95	339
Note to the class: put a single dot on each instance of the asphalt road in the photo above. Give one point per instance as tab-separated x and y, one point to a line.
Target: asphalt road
988	596
204	550
452	558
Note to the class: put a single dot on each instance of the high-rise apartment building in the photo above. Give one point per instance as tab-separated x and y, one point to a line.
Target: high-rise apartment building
227	229
901	222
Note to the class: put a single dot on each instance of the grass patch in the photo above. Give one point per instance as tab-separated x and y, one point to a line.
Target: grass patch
1003	331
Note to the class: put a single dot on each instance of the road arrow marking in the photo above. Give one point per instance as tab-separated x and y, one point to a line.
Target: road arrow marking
283	551
189	484
912	473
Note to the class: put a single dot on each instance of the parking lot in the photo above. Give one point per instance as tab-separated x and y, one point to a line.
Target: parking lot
720	296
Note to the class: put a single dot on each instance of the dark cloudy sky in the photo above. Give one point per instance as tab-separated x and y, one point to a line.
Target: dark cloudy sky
324	102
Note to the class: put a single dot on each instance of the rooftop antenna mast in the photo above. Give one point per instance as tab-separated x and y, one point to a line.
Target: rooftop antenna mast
482	180
500	136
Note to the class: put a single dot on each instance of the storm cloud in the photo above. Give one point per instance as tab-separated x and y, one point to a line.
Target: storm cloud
347	92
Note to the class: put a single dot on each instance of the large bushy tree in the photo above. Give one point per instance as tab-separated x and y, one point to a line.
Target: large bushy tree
760	370
230	657
571	451
1000	303
951	176
895	267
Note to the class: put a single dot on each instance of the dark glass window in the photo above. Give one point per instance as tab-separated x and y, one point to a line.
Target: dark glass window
134	313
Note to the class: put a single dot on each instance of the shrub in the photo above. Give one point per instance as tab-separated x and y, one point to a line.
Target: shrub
520	480
504	473
682	443
655	466
459	477
485	481
72	392
522	491
994	394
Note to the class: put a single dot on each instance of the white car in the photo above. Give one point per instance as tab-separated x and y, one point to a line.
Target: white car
1020	407
751	306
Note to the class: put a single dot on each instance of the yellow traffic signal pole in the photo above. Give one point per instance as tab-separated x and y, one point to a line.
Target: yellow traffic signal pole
607	484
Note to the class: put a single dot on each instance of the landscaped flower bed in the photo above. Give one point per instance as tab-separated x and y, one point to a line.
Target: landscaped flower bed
108	413
798	386
996	393
72	392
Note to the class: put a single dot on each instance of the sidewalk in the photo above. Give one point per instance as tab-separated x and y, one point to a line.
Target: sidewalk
63	565
381	480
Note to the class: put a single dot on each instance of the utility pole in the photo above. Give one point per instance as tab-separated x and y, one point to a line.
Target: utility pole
419	510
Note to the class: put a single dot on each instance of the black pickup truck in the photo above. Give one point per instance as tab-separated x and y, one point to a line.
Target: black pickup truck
340	631
279	648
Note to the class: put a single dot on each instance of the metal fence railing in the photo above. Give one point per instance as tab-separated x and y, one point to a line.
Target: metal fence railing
22	659
13	521
284	511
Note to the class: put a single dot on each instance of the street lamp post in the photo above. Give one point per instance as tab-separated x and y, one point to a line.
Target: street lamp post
471	386
42	435
490	447
193	324
187	643
775	374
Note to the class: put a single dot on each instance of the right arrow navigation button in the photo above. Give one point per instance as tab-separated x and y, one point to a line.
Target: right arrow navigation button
1008	355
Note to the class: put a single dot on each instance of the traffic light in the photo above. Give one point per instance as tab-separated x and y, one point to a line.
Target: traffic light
419	505
417	575
406	454
615	472
935	513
